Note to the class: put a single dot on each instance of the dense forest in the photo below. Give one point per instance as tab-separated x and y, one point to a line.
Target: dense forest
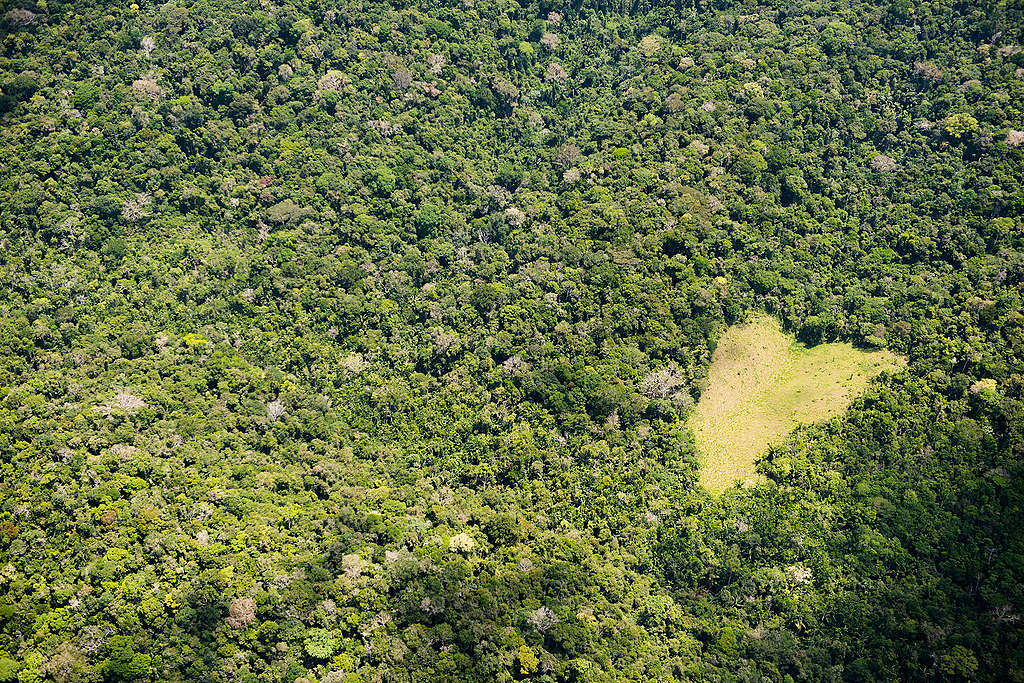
355	341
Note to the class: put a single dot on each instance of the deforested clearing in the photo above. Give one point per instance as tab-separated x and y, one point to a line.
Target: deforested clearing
762	384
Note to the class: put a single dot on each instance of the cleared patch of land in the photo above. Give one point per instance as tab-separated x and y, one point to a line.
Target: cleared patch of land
761	385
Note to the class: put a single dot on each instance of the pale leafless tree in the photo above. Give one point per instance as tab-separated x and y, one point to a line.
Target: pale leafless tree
241	612
275	409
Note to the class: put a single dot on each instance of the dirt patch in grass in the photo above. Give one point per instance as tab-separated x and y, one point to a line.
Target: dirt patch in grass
761	385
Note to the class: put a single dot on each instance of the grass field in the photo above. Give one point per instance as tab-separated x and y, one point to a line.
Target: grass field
761	385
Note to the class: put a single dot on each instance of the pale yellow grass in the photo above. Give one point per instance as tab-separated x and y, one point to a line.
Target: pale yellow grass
761	385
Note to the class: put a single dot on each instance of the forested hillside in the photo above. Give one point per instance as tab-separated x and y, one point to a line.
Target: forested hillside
356	341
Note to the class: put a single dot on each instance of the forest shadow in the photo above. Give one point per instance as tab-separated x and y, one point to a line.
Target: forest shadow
882	546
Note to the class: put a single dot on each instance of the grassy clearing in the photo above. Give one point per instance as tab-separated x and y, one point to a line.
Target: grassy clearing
761	385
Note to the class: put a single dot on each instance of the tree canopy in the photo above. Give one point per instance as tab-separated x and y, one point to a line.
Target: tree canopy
356	341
